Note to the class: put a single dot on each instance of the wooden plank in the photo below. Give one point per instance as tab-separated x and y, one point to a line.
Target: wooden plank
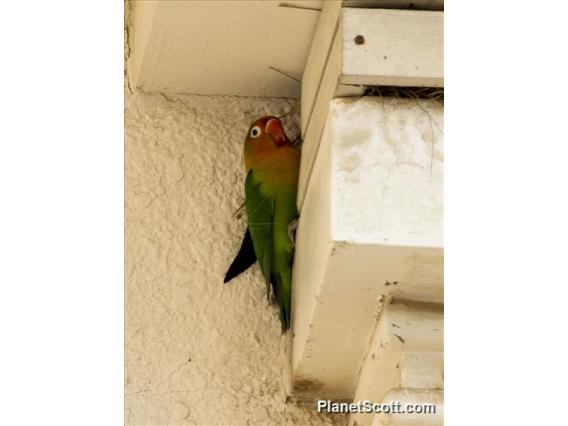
393	47
318	117
370	229
406	350
318	57
411	41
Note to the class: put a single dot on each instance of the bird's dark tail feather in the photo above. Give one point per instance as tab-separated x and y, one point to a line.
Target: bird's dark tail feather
283	299
285	317
245	258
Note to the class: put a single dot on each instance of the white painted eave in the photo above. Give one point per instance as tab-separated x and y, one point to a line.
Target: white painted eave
222	47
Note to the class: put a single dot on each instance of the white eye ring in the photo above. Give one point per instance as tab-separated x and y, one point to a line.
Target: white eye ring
255	132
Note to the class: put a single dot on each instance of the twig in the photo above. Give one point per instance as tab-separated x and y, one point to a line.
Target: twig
286	74
296	6
238	210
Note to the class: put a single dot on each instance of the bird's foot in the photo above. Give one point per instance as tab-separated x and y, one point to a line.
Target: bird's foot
292	226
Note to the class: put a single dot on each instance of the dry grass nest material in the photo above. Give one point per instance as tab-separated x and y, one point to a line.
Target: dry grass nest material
432	93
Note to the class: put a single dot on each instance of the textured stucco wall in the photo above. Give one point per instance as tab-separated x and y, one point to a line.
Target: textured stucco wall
196	351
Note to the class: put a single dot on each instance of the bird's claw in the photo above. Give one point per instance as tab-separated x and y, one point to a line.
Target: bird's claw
292	226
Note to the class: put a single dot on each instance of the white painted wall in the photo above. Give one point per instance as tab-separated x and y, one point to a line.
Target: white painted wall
196	351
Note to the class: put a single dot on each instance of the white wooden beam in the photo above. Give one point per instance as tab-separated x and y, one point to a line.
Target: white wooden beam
392	47
398	47
406	351
371	228
318	57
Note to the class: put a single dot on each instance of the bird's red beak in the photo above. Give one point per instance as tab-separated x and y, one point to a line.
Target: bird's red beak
274	128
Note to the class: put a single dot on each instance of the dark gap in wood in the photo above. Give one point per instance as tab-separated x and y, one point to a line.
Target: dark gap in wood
432	93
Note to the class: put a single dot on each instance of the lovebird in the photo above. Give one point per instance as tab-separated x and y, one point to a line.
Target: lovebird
271	166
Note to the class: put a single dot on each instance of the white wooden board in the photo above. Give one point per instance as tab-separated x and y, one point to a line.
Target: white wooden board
398	47
371	226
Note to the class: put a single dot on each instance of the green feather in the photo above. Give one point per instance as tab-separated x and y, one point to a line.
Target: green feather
260	211
270	211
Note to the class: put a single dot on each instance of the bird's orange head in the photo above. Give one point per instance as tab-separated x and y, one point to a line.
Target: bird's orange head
267	144
267	130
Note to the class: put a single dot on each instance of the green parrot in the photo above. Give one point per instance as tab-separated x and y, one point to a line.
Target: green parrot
271	166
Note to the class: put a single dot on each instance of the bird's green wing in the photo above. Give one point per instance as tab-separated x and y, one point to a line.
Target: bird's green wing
260	211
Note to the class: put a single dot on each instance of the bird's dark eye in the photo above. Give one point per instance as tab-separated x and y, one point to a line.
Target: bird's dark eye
255	132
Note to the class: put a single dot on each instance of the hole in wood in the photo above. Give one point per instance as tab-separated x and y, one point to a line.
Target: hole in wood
359	39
